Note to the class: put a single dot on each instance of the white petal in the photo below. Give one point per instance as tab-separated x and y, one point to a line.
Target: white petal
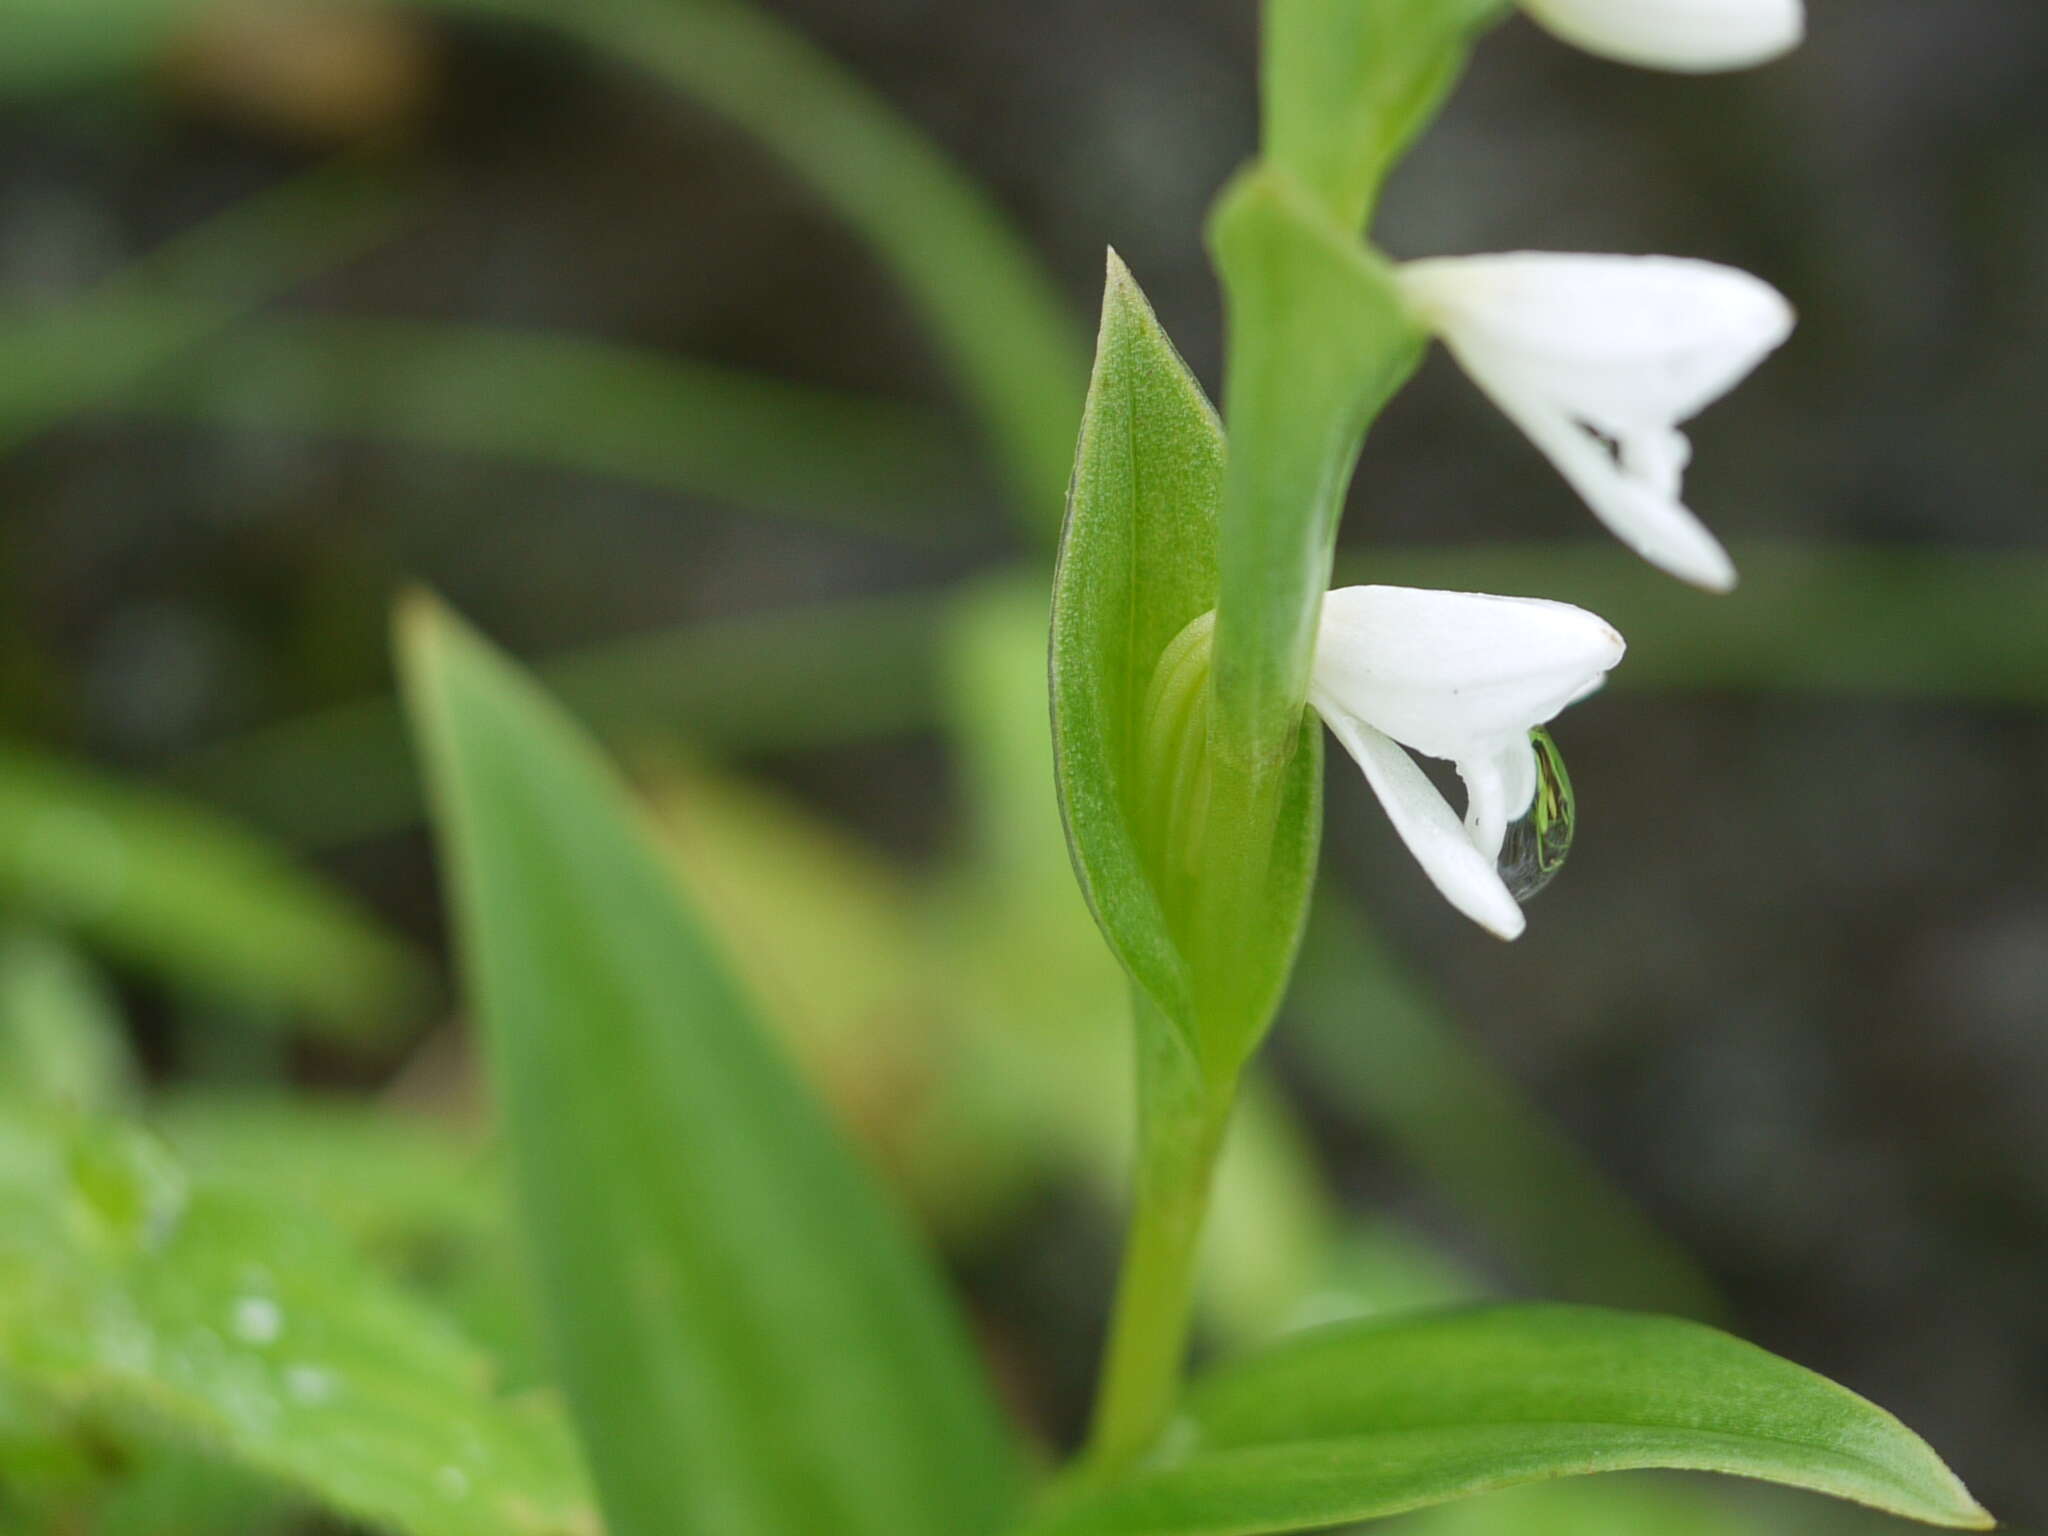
1500	786
1614	339
1455	674
1649	519
1584	352
1430	828
1695	36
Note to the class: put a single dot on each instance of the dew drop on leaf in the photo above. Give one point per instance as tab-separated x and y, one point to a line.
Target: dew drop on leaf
1536	846
257	1320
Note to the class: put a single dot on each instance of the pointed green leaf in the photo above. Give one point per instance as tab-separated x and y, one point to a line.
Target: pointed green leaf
1137	565
1362	1420
1169	849
750	1342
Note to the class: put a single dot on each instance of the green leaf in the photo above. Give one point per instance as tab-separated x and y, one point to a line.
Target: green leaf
568	402
1168	852
1137	565
196	1314
62	1043
68	358
1346	86
1358	1421
176	890
751	1342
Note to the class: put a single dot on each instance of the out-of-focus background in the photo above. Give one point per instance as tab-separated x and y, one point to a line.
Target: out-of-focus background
628	344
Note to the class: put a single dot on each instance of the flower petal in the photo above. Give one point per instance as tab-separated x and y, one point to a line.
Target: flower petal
1696	36
1597	359
1500	786
1455	675
1650	520
1613	339
1430	828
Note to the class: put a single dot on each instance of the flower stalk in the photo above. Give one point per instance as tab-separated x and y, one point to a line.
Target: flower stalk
1183	1114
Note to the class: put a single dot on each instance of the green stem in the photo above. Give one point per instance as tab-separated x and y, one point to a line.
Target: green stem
1182	1116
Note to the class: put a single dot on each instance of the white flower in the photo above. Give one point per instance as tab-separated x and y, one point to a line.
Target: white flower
1597	359
1459	676
1695	36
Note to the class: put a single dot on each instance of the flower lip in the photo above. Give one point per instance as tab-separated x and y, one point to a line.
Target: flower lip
1690	36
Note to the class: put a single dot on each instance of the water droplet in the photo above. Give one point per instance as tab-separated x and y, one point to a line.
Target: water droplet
309	1385
452	1482
257	1320
1537	845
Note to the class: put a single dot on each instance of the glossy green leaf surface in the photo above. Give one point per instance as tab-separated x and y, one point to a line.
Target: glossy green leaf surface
750	1341
1357	1421
176	890
197	1315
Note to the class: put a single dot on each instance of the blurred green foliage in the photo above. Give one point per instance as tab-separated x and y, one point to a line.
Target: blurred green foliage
221	1309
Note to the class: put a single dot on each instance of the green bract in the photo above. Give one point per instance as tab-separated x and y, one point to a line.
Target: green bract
1148	809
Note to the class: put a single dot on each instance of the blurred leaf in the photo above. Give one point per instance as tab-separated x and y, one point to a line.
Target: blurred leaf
1361	1420
588	406
170	1489
62	360
819	932
64	43
189	897
996	318
423	1202
248	1326
62	1044
852	669
750	1341
1378	1046
390	1180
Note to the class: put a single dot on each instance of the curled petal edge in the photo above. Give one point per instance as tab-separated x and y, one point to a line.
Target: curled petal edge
1433	832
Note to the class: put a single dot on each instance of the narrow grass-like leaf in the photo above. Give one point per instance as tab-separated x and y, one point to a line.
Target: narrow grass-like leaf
200	1316
573	403
70	358
1358	1421
751	1343
196	900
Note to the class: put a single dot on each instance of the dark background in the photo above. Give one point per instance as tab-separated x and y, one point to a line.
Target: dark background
1792	995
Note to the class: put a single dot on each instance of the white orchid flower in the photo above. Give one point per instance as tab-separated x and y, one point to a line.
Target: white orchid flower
1694	36
1597	359
1464	677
